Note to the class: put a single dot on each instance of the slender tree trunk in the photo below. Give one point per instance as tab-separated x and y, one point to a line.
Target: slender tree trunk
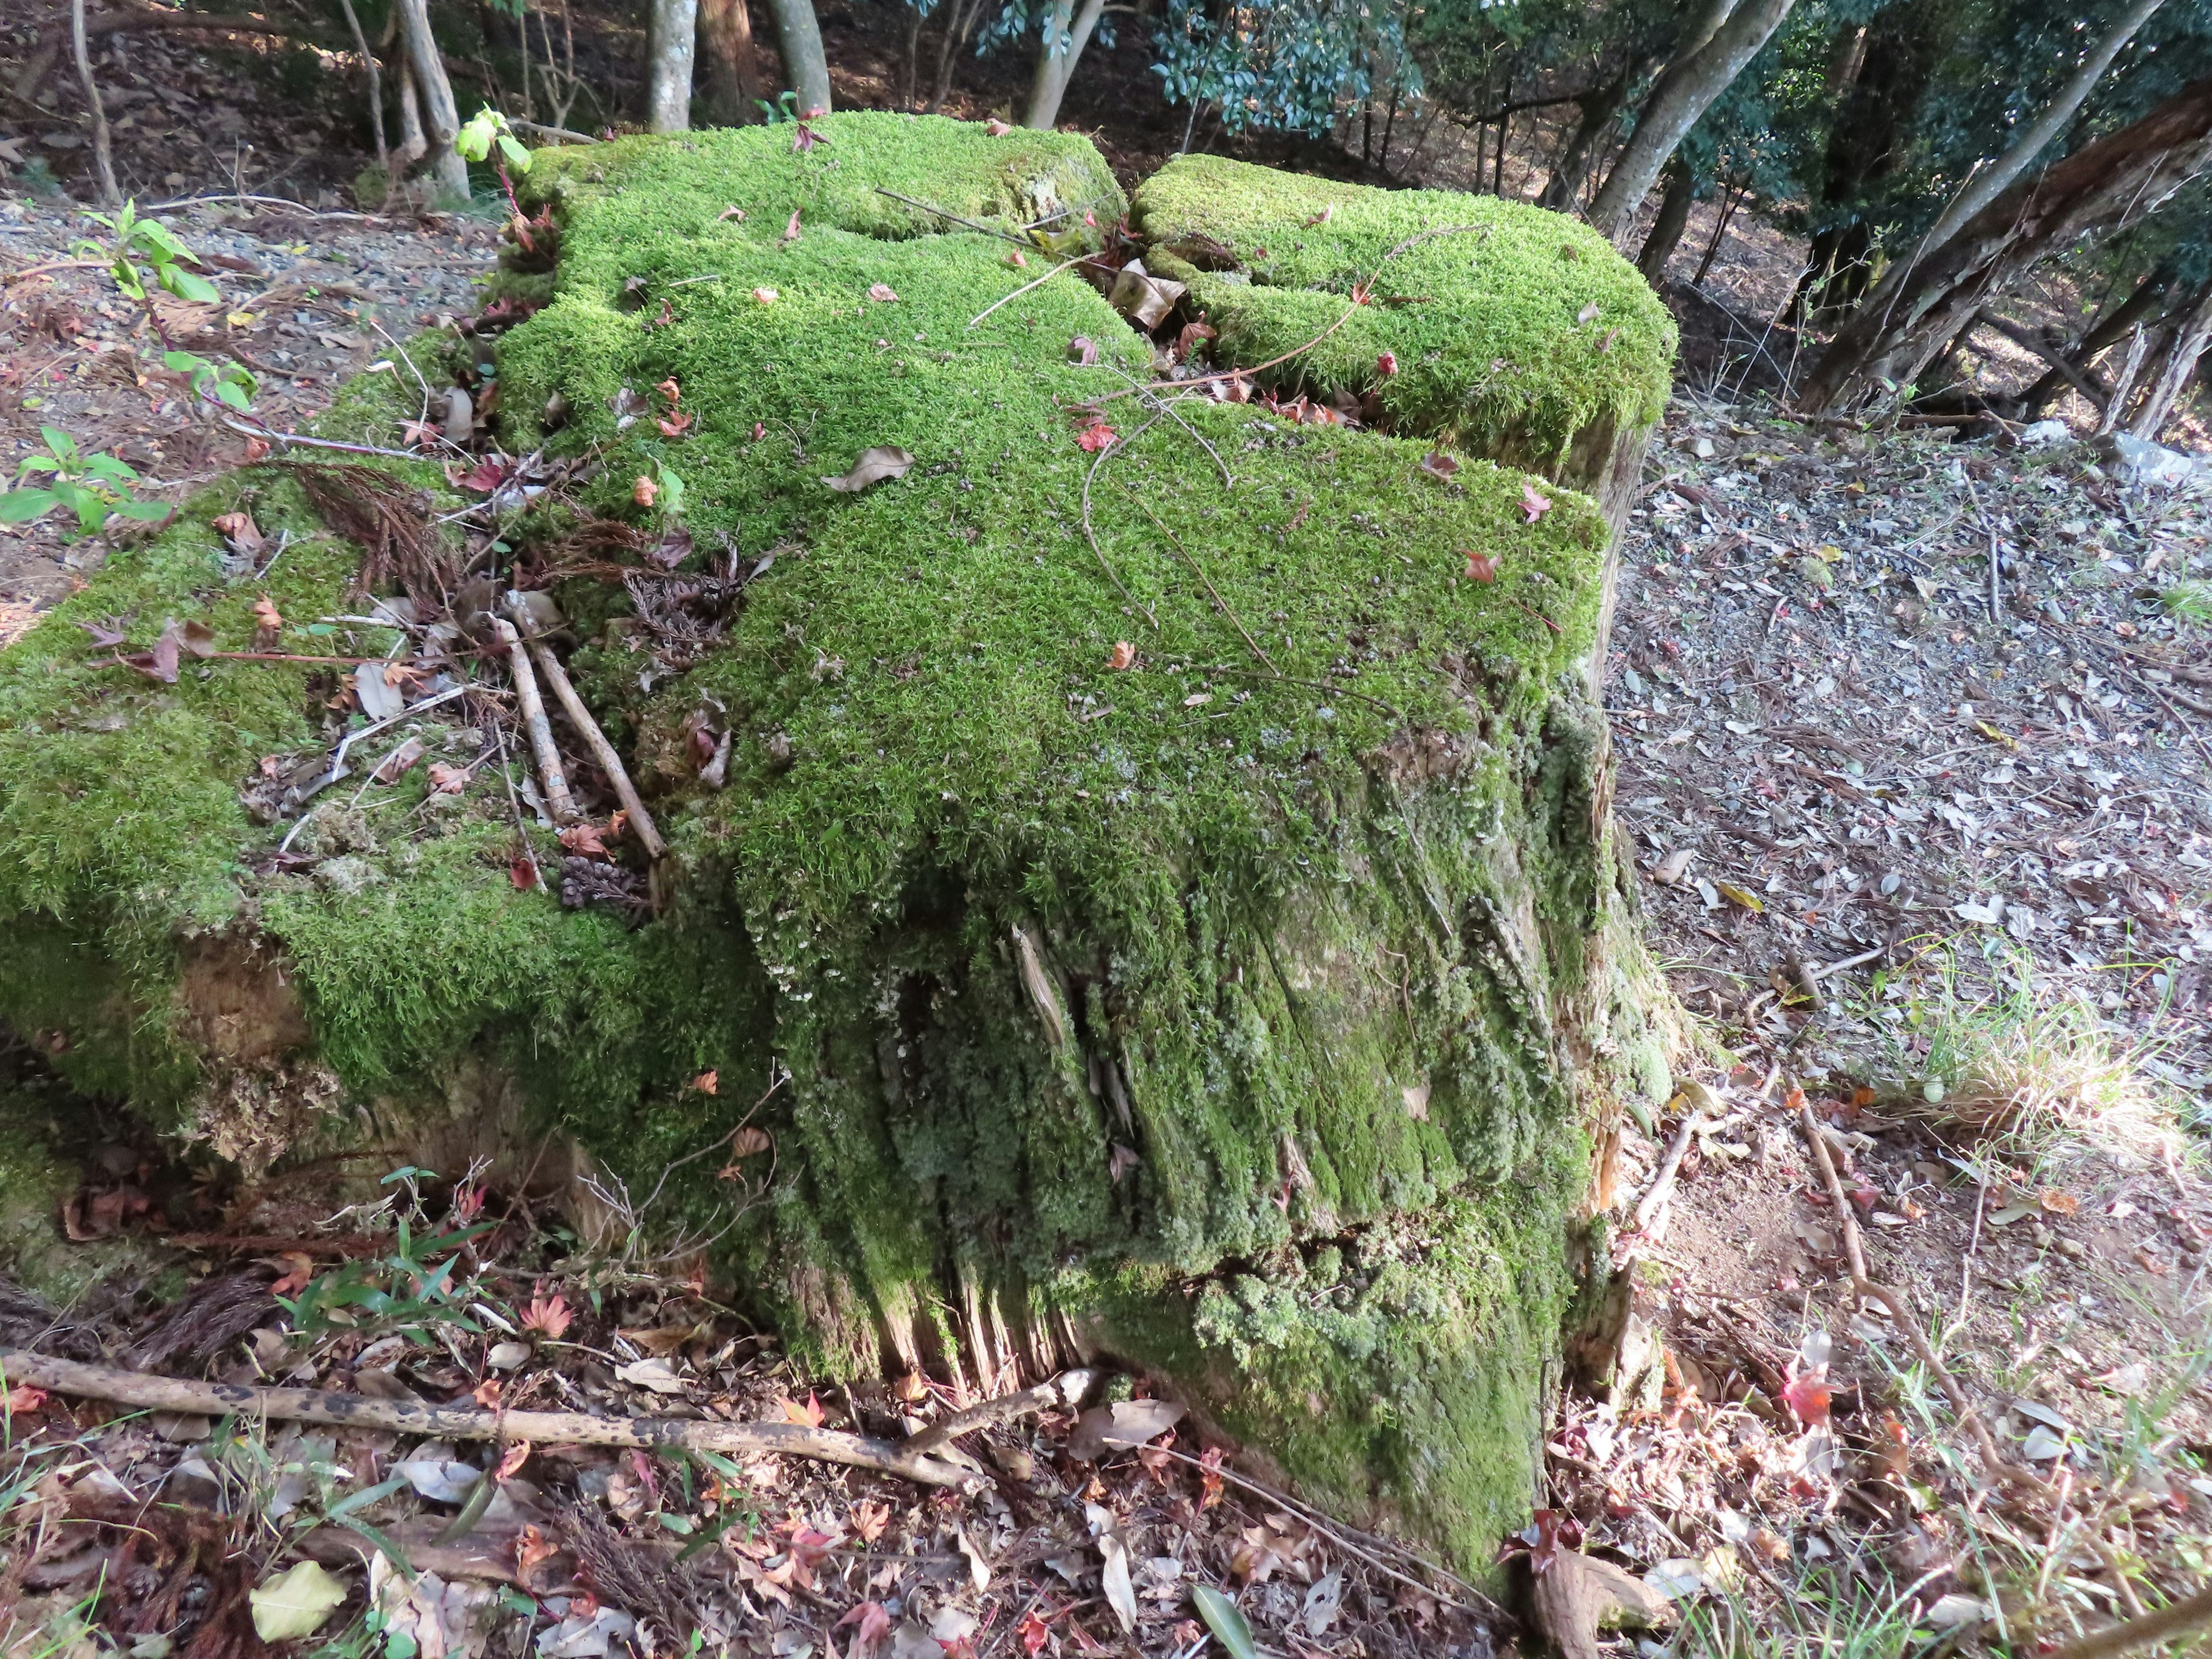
437	95
960	17
1068	32
670	51
1666	233
1683	94
2124	388
1985	185
800	33
376	85
1498	166
2149	295
413	145
2185	342
732	70
1597	108
103	153
2108	181
1720	232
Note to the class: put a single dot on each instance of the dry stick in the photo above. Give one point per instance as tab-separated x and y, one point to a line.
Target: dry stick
931	207
102	151
1663	1182
1992	530
271	435
1908	1321
164	1394
2182	1619
521	833
557	797
1063	1390
564	693
1220	603
1026	287
563	133
1329	1530
375	87
1092	536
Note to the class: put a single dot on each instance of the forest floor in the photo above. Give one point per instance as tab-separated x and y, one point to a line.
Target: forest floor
1913	741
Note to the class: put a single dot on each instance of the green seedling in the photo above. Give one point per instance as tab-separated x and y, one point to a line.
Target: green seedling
160	247
486	129
226	382
93	487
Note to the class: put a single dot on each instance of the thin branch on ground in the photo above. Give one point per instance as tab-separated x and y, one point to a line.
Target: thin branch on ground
1063	1390
164	1394
1197	569
534	723
1039	282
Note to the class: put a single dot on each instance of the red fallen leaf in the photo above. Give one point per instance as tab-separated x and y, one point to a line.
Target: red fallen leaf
448	780
707	1081
25	1398
875	1625
617	823
666	317
532	1551
1095	437
1085	1643
512	1460
1124	655
486	1394
1545	1536
257	449
674	425
997	128
882	293
1439	465
584	840
104	634
1533	503
1328	213
1481	568
760	431
161	663
1191	336
809	1415
486	476
1019	260
522	871
643	491
1386	365
1794	1100
1807	1396
1083	351
1866	1198
805	139
299	1269
1034	1633
413	434
670	390
791	232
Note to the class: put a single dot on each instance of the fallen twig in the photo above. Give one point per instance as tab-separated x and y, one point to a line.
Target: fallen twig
1026	287
1063	1390
564	693
270	434
561	803
165	1394
2182	1619
1220	603
972	224
1999	1466
1663	1183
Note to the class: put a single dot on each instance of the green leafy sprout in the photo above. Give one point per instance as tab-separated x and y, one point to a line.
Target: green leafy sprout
486	128
227	383
93	487
160	247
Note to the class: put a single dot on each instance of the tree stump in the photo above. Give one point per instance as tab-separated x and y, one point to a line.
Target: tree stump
1160	901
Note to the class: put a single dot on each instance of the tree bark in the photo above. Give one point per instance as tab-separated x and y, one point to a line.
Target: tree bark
2186	340
1066	32
414	144
436	92
1684	93
733	83
798	32
674	29
1666	233
2149	295
1598	106
1986	185
2122	176
375	86
103	153
960	18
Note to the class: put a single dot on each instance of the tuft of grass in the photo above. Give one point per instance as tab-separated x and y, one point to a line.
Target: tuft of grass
2041	1073
2191	600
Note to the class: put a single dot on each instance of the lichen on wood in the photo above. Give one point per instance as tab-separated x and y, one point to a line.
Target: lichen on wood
1241	1011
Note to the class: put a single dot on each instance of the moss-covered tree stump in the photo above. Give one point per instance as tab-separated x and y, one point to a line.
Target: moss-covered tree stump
1173	878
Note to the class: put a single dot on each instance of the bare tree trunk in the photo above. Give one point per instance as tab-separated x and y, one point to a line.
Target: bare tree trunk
436	92
2108	182
1984	187
1720	232
2149	295
1666	233
670	50
413	144
1684	92
103	153
1066	32
2124	388
1597	106
800	33
376	85
733	83
960	18
2185	342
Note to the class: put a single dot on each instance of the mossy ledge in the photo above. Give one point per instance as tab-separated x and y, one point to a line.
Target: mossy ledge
1246	1013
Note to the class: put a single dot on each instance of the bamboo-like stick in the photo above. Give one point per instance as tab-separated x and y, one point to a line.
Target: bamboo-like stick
564	693
532	709
166	1394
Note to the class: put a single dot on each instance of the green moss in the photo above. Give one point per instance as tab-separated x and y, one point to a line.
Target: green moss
1317	891
1514	329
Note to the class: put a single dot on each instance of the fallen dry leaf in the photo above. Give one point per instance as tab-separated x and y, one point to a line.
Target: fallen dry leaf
707	1081
791	232
882	293
644	490
584	840
240	532
1095	437
810	1416
1481	567
1437	464
875	465
1123	656
1534	502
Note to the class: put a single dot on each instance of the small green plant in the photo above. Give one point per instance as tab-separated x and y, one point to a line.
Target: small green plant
158	247
784	108
227	383
408	1291
486	128
2191	600
93	487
